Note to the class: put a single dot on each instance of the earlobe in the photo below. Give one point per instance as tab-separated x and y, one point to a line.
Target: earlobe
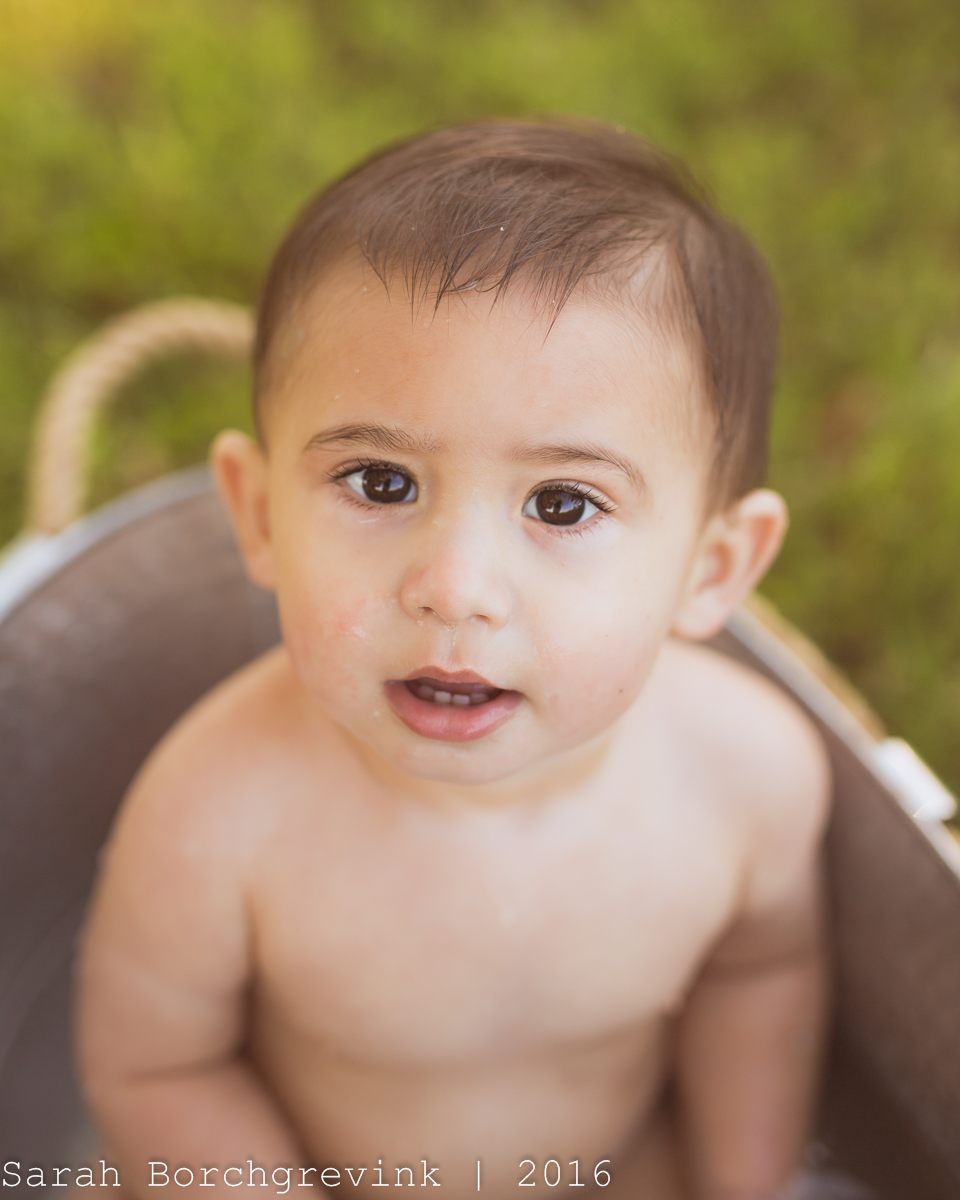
736	548
239	467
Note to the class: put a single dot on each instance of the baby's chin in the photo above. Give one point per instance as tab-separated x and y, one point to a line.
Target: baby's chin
494	759
515	760
508	753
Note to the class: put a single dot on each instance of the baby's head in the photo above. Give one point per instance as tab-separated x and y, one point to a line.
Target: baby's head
512	389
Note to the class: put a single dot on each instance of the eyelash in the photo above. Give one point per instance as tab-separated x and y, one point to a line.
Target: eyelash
575	489
361	464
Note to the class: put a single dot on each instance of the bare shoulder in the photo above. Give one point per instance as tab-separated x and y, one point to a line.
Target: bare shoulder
166	949
763	768
201	783
757	743
173	888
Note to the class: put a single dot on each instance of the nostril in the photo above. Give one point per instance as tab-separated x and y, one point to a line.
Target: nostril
458	594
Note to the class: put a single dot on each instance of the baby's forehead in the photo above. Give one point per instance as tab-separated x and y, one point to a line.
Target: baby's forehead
646	289
607	353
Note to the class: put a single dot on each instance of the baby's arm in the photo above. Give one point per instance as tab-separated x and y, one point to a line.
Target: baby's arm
163	981
750	1039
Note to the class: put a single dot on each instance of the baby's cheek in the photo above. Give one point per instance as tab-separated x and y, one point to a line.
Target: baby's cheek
349	620
330	634
594	672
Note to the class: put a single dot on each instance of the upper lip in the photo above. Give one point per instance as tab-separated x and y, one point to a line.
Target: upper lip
443	676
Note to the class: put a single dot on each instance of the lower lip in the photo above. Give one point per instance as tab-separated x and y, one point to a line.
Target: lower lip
449	722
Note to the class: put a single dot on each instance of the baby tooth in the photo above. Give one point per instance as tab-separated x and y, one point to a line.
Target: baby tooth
425	692
460	699
478	698
442	697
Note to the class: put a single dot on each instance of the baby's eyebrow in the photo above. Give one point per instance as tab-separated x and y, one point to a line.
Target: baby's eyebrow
382	437
385	438
566	455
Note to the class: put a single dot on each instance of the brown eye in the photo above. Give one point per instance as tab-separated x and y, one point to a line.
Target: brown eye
559	506
383	485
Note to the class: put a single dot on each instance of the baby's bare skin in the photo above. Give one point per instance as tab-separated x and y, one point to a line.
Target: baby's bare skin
314	944
453	985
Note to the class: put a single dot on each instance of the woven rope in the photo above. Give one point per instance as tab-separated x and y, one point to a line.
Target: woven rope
94	373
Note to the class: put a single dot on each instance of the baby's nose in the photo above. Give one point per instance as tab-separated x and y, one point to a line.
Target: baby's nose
458	576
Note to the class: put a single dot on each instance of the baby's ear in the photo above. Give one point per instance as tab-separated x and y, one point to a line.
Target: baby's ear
240	468
735	549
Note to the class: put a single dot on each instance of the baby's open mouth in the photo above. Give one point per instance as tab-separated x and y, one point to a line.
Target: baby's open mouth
449	710
461	694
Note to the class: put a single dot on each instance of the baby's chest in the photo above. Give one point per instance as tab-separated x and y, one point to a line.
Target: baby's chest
419	956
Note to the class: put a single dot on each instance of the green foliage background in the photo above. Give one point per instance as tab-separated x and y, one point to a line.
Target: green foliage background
149	150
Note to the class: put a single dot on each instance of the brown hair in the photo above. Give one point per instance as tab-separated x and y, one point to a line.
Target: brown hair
560	204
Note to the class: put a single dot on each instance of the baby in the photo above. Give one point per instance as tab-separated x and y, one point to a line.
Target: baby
490	876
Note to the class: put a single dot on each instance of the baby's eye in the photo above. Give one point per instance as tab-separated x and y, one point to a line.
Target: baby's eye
382	485
559	506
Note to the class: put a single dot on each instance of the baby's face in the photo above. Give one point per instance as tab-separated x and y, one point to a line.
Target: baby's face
480	527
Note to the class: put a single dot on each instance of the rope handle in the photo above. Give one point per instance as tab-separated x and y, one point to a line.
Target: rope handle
94	373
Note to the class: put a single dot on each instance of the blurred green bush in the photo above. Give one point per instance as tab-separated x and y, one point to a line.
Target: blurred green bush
149	150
